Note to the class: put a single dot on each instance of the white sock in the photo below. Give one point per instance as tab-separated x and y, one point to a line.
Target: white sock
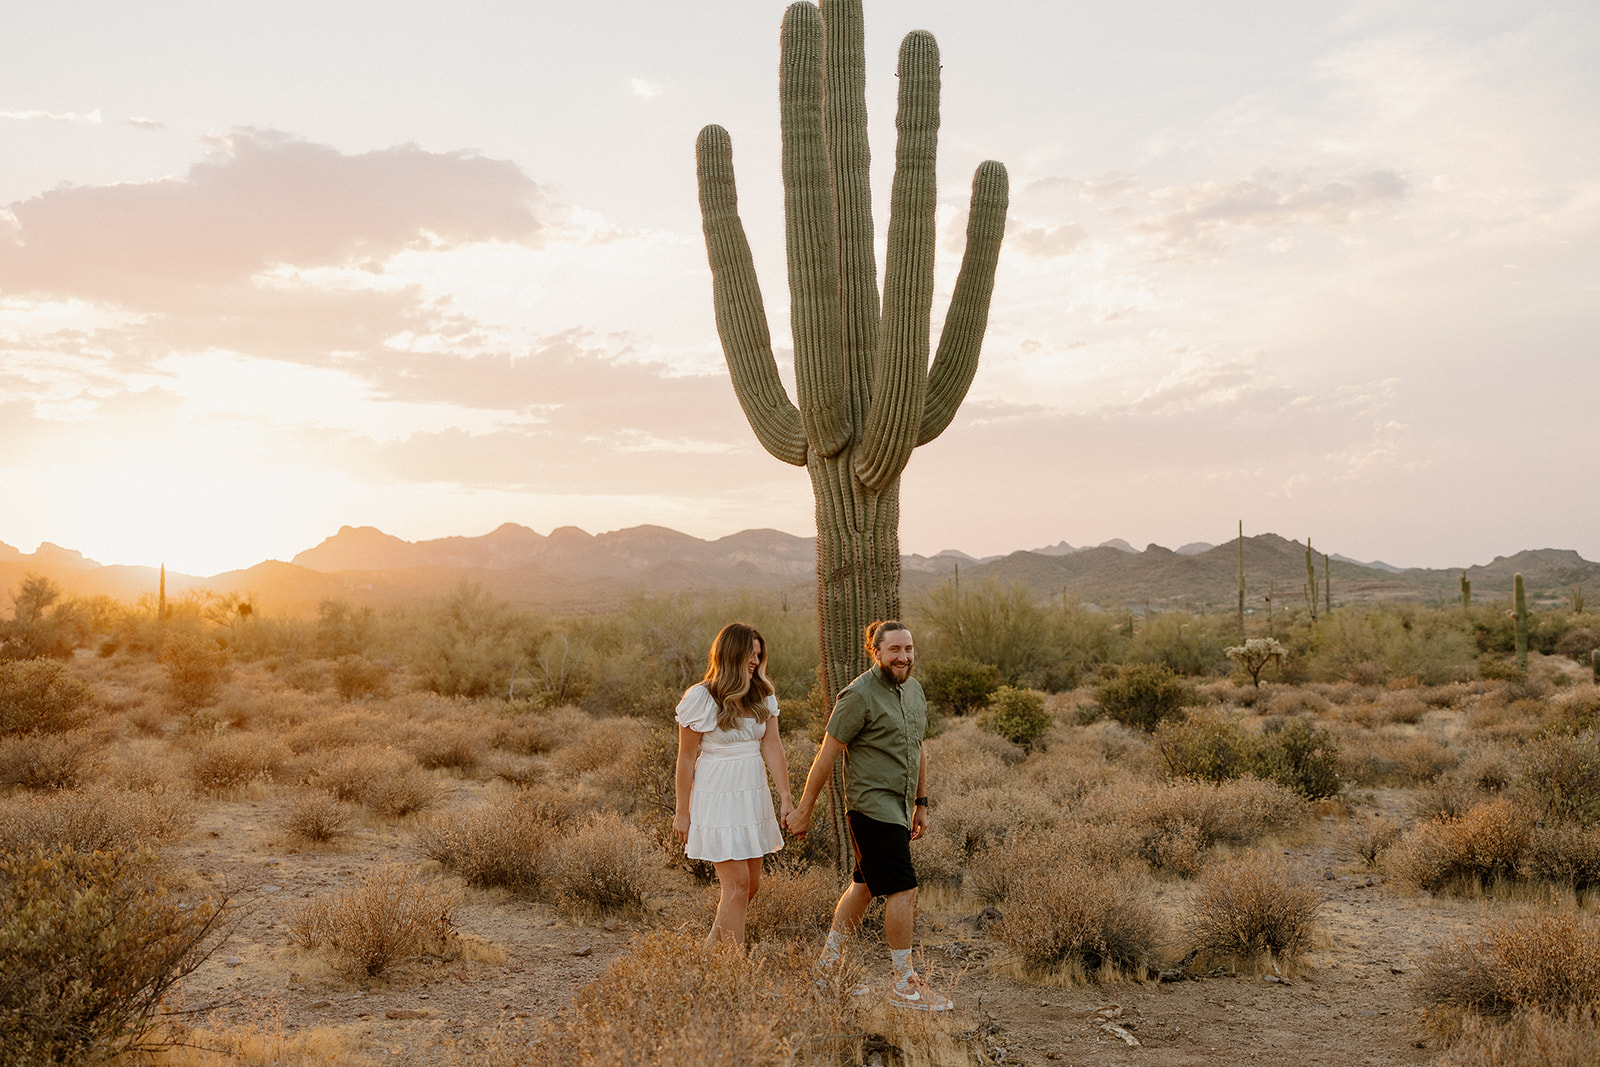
901	958
830	951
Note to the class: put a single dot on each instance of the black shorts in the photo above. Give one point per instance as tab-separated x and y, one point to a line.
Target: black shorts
883	855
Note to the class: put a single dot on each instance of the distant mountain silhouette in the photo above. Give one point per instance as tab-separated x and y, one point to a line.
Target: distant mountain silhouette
570	570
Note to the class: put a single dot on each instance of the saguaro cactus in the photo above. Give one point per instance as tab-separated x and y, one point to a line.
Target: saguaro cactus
1311	582
1241	581
866	393
1520	598
1466	592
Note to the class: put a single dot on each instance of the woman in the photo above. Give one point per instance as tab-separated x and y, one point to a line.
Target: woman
727	728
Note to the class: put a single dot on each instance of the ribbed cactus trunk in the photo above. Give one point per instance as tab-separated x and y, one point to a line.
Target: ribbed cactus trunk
1466	592
867	395
1311	581
1241	581
1520	600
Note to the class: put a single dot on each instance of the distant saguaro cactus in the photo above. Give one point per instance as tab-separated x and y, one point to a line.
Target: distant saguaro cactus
1311	582
866	393
1521	616
1241	580
1466	592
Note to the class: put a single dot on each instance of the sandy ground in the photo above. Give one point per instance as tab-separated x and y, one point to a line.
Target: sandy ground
1348	1002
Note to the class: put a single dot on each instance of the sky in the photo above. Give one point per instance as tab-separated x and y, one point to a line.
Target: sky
1331	269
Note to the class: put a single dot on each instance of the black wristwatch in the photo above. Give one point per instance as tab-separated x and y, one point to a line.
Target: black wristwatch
922	802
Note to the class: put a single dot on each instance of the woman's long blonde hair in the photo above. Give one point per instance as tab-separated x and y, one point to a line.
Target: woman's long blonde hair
739	694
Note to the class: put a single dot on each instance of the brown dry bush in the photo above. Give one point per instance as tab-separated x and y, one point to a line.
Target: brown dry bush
1402	706
1162	820
102	819
317	816
1539	959
1064	775
231	761
384	919
1252	908
1286	702
1561	775
1528	1039
384	780
793	906
674	999
346	730
453	746
356	677
1067	918
92	943
1566	855
503	843
49	761
596	744
1367	839
990	875
603	865
1488	844
958	761
39	696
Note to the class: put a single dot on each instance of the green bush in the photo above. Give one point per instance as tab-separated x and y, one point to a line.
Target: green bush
92	942
39	696
960	686
1562	774
1144	695
1205	748
196	665
1300	756
1018	715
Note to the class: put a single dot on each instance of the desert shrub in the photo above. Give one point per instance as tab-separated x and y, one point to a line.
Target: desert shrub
1066	917
1296	701
195	664
1204	748
446	745
603	865
469	644
1237	812
992	871
384	780
1578	644
1143	695
1562	775
355	677
970	823
39	696
1368	838
1252	908
959	762
1300	756
317	815
1565	854
232	761
1390	642
1540	959
1486	845
960	686
1578	708
746	1008
1527	1039
342	730
1183	643
96	820
49	761
503	843
1018	715
92	942
385	918
597	743
793	906
1003	625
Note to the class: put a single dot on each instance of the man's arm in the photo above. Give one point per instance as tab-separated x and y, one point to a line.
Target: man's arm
799	820
919	814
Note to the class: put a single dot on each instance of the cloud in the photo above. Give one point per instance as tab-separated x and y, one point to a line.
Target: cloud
142	123
1197	216
260	199
1111	187
92	117
1045	242
648	90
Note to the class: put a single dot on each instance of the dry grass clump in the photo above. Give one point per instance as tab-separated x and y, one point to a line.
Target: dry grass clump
357	677
49	761
674	999
794	906
103	819
39	696
1402	706
973	822
319	816
386	918
603	865
1251	909
1566	855
1485	846
1548	960
347	730
960	762
598	744
1168	821
451	746
1296	701
1562	776
1367	839
232	761
503	843
92	943
384	780
1527	1039
1069	919
990	874
256	1035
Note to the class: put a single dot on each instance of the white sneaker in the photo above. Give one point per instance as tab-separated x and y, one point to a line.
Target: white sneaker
913	994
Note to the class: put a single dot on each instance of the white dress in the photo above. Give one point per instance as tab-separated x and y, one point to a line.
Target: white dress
730	808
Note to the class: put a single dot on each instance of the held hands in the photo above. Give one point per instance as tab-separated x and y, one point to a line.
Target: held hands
680	827
797	820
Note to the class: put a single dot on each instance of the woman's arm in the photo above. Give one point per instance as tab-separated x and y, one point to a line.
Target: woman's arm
683	781
777	765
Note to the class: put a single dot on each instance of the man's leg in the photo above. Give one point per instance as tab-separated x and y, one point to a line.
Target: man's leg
899	920
847	915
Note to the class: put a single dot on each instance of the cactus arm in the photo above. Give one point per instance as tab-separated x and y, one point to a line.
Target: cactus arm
900	366
849	162
809	233
736	297
968	317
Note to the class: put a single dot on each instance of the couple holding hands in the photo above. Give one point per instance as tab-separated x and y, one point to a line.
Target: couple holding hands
724	811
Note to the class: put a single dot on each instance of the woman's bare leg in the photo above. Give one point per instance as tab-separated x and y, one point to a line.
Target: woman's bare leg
733	877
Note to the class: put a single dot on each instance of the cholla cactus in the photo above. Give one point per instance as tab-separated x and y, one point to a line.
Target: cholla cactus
866	393
1255	654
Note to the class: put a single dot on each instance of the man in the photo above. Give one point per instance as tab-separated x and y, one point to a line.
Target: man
878	723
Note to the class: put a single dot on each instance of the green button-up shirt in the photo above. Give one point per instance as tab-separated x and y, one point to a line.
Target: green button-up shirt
881	726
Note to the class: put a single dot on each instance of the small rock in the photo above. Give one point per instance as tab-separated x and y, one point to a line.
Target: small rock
233	961
271	888
318	1005
549	922
422	996
1328	874
403	1013
586	950
609	925
1397	970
